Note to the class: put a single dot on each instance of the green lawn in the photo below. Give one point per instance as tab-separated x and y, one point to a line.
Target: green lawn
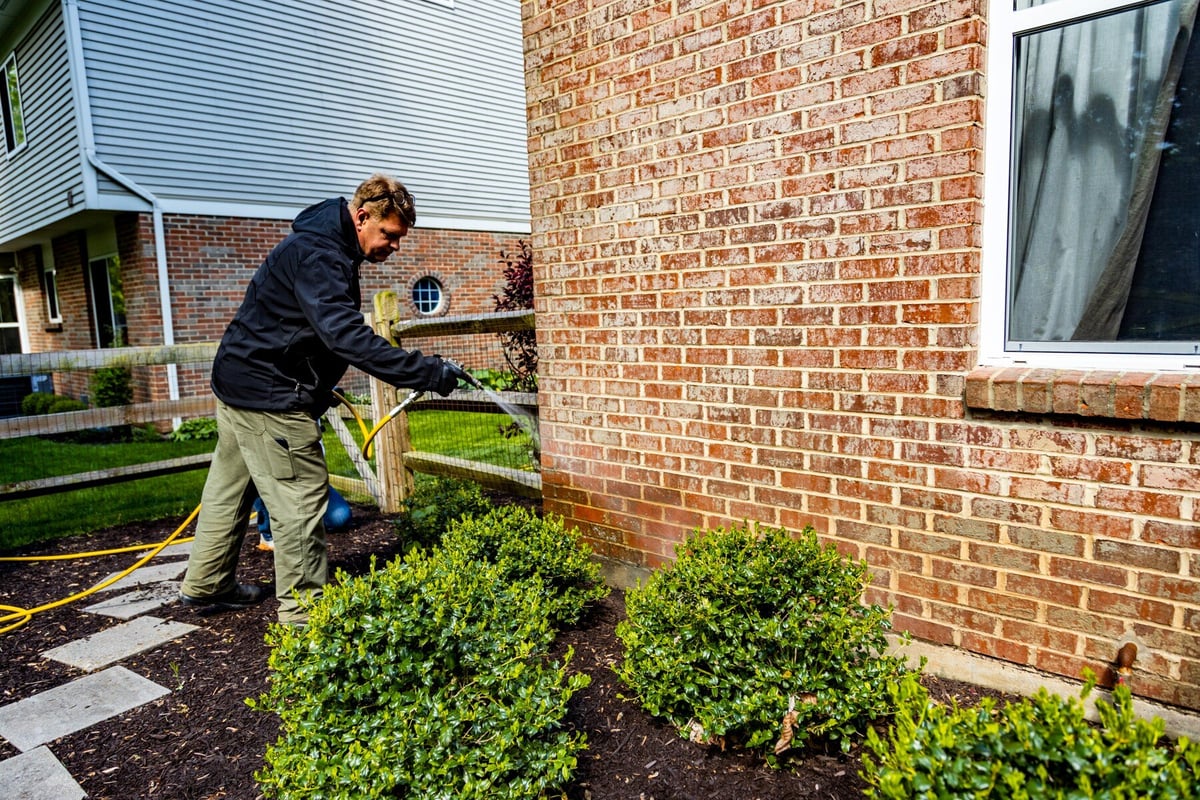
469	435
81	511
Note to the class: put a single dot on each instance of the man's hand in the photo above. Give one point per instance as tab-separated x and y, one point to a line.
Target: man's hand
447	380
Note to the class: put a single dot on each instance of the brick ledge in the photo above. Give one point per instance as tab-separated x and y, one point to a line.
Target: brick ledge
1158	396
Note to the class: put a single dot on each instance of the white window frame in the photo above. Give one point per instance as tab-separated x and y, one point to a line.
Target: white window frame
50	285
94	300
1004	26
9	113
441	296
8	272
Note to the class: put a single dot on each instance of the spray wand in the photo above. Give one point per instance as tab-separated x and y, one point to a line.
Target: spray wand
413	396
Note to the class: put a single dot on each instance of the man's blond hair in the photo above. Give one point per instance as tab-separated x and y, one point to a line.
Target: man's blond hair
382	195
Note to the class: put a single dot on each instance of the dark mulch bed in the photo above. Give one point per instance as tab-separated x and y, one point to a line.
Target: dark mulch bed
202	741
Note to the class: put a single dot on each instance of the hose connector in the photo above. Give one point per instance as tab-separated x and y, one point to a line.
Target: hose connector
413	396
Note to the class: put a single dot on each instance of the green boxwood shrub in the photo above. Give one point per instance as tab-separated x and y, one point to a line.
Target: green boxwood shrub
1038	747
45	403
748	625
426	679
523	544
437	501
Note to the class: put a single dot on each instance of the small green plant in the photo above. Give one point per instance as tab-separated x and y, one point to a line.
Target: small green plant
757	638
522	544
112	386
200	429
428	678
495	379
436	502
145	433
1038	747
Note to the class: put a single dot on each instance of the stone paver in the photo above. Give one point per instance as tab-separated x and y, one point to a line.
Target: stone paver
171	551
83	702
113	644
139	601
151	573
38	775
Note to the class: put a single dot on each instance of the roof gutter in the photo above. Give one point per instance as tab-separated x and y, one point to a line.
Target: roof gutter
82	104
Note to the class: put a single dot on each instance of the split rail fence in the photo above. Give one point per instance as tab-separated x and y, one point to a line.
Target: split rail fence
396	462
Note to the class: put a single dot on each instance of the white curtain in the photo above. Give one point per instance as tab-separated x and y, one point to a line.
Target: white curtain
1093	102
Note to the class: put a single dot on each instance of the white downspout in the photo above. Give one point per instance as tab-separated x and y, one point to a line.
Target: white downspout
160	252
83	106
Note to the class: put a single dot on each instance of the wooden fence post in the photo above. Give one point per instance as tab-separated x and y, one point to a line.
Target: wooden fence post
391	443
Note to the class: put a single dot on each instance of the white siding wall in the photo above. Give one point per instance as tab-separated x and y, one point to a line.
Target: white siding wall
37	180
229	106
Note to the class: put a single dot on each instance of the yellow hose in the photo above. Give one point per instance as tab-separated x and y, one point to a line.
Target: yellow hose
369	437
133	548
18	616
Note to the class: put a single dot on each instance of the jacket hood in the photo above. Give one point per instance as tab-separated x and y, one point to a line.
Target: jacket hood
331	219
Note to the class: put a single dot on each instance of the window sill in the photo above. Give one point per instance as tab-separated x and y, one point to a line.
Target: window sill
53	327
1158	396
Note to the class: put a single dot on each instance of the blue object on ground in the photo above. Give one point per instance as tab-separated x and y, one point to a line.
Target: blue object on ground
337	515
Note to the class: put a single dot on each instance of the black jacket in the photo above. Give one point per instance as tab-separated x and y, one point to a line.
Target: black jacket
299	325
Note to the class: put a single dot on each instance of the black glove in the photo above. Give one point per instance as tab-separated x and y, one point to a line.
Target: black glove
446	380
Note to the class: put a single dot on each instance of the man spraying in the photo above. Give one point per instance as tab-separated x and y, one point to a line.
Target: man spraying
298	329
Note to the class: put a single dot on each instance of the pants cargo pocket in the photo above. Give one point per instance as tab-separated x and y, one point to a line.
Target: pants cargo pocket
279	457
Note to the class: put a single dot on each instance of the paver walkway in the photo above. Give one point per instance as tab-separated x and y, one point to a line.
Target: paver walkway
31	724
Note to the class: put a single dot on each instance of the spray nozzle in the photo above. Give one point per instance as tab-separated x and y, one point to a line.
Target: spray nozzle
463	374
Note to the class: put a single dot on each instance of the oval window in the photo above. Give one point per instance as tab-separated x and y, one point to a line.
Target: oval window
427	295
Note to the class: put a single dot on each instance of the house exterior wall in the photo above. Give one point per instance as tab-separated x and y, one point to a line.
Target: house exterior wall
42	182
757	256
224	105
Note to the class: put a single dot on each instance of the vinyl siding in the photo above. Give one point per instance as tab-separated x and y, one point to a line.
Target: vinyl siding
37	180
281	104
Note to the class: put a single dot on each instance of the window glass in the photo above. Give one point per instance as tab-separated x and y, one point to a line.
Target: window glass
14	118
50	286
427	295
1104	223
10	323
108	302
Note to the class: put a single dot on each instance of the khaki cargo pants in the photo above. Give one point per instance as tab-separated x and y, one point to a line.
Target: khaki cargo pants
278	454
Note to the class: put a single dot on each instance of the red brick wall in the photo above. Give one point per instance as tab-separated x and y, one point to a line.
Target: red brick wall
756	237
74	302
29	278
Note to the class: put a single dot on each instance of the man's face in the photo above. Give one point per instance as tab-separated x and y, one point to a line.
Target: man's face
379	238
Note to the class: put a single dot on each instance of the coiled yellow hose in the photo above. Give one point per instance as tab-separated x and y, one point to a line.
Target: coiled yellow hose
19	616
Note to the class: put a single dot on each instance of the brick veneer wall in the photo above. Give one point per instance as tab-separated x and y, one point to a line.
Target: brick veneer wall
757	228
74	303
